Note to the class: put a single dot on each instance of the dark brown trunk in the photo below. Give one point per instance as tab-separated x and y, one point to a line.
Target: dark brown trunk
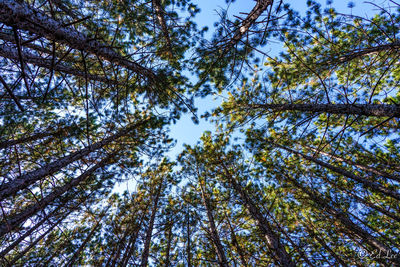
21	16
236	244
34	137
169	241
278	251
149	232
21	254
188	245
29	178
160	17
19	218
83	245
132	241
365	182
342	217
213	230
47	63
358	165
372	110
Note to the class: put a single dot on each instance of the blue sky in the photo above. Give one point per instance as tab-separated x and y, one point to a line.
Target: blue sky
185	131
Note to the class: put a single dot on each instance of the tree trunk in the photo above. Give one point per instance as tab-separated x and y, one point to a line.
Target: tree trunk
365	182
36	136
83	245
47	63
223	262
188	245
169	241
29	178
21	254
360	166
21	16
19	218
236	243
254	14
342	217
373	110
322	242
279	253
149	232
131	244
160	17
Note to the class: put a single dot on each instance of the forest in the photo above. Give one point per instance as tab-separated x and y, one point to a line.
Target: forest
302	167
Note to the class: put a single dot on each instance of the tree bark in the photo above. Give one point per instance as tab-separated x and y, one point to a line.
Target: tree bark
223	262
342	217
254	14
21	254
22	16
360	166
169	241
29	178
131	244
30	58
35	136
372	110
279	253
19	218
236	243
83	245
367	183
149	232
160	17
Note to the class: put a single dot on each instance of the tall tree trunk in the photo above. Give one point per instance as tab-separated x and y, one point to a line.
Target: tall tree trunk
29	178
365	182
30	246
83	245
342	217
149	232
223	262
36	136
188	245
358	165
236	244
169	241
161	20
47	63
373	110
323	243
21	16
19	218
131	244
250	20
278	251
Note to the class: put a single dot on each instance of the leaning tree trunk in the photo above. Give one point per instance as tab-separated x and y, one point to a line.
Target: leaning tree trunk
83	245
149	232
35	136
358	165
16	220
47	63
21	16
30	246
342	217
25	180
278	250
223	262
372	110
132	240
374	186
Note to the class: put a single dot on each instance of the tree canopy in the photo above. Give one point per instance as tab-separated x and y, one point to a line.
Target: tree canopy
302	167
